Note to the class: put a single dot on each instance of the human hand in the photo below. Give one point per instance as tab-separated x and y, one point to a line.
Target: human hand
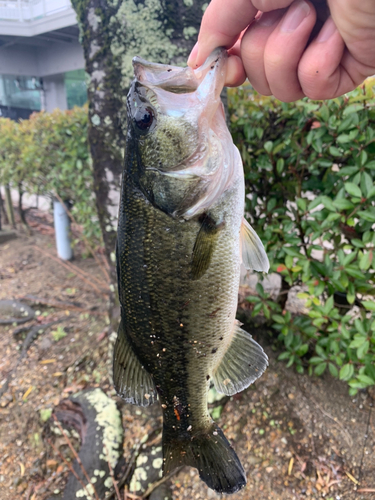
291	49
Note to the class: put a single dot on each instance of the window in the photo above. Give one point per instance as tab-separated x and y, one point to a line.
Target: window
75	86
20	92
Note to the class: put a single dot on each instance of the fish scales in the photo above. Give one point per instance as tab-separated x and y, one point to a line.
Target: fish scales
178	272
168	310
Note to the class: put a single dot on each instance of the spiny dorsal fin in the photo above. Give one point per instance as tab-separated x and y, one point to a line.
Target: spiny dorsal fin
253	254
132	382
204	245
242	364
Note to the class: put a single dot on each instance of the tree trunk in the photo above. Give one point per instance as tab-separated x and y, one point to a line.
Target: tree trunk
21	211
112	33
1	209
283	295
5	219
9	206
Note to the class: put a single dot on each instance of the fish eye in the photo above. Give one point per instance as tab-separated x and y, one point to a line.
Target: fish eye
144	118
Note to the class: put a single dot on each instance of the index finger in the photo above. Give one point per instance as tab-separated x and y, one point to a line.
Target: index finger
221	26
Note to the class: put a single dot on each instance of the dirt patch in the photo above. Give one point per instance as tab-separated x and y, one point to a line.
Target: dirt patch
297	437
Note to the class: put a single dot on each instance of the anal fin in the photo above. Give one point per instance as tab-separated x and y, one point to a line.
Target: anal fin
132	381
241	365
253	254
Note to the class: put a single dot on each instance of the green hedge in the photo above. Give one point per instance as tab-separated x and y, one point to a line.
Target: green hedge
310	169
49	154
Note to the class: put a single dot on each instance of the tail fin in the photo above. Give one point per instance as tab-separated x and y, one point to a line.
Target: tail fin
210	453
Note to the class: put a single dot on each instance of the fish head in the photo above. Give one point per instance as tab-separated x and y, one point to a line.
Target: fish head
176	124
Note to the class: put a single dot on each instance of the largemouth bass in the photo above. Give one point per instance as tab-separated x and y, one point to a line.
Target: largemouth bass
181	240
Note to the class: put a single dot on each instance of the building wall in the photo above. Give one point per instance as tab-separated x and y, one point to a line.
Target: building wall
50	62
54	93
55	58
58	58
18	61
39	43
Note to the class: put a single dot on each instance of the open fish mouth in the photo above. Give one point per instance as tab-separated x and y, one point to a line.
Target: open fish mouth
179	111
180	80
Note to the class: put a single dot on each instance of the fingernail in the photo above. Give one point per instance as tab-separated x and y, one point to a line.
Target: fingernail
193	55
269	18
327	31
294	17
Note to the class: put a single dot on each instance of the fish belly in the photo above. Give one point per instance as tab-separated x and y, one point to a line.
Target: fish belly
179	326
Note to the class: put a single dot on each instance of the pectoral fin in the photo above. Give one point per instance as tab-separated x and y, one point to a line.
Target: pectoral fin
242	364
204	245
253	254
132	382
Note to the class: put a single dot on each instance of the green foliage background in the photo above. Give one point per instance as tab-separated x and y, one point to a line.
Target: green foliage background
49	154
310	169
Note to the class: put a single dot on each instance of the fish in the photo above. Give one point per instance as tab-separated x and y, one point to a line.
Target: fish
181	241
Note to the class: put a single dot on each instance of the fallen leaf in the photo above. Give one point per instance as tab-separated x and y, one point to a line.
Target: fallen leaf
27	392
352	478
290	467
22	467
52	464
